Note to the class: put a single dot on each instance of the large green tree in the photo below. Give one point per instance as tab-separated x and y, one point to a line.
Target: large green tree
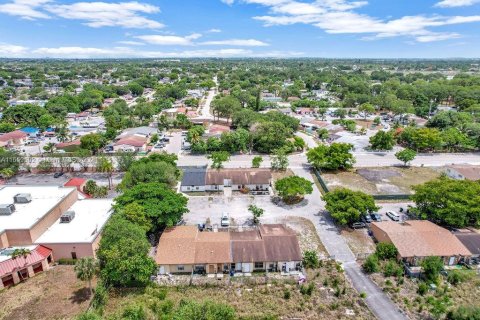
123	254
293	189
334	157
382	140
347	206
449	202
163	206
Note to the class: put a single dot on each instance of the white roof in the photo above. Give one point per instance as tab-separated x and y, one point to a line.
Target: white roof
90	217
26	215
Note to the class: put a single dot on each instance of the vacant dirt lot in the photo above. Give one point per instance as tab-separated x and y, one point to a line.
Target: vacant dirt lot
55	294
391	180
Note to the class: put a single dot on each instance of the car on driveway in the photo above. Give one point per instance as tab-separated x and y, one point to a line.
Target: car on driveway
359	225
393	215
367	219
58	175
376	217
225	221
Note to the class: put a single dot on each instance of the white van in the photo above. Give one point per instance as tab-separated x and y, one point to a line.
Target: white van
393	215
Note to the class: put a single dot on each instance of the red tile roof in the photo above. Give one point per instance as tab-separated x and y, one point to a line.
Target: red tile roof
68	144
135	141
75	182
37	255
17	134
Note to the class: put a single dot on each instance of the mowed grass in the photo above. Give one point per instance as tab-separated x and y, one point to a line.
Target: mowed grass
381	180
55	294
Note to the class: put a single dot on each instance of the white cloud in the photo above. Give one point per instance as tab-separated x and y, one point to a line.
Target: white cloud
236	42
131	43
162	40
103	14
26	9
12	51
214	30
339	17
456	3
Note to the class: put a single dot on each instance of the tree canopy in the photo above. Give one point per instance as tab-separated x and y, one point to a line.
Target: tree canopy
347	206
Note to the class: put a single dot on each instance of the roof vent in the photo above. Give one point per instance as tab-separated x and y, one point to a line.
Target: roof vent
22	198
7	209
67	217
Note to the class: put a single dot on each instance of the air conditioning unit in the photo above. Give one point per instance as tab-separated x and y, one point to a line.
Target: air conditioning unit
22	198
67	217
7	209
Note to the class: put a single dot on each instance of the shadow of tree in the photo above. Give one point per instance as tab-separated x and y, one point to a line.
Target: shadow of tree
80	295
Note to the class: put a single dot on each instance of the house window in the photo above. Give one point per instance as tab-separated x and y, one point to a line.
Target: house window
74	255
180	268
258	265
196	188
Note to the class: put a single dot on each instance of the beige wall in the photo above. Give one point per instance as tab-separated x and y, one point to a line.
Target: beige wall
188	268
379	234
64	250
4	240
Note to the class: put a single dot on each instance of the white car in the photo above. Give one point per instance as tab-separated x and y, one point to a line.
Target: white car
225	221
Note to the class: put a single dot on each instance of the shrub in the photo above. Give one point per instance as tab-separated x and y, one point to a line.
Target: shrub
310	259
100	297
432	267
391	269
134	312
422	289
67	261
286	294
371	264
307	290
385	251
464	313
363	295
88	315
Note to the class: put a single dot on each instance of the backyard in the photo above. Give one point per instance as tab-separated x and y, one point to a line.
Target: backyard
55	294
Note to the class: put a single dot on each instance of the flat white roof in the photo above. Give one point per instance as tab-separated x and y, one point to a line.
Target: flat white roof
44	198
90	217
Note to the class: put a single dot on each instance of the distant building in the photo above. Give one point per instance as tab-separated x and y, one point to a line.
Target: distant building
459	172
15	138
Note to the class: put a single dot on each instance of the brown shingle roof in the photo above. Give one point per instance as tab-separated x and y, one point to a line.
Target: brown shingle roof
176	246
212	247
469	172
239	176
419	238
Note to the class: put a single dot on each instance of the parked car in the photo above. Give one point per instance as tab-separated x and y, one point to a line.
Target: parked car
359	225
225	221
393	215
367	219
376	217
58	175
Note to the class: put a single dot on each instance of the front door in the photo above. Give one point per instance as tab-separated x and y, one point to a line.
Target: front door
451	262
211	268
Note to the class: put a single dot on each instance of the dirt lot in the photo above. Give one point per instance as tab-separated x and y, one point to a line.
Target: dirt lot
332	298
307	235
359	241
55	294
391	180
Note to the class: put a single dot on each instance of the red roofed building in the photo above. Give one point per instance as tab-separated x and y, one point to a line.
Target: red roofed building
14	270
14	138
78	183
135	143
63	145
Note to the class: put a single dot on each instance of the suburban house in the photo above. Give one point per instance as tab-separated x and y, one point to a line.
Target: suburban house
134	143
471	240
418	239
255	181
193	179
15	269
459	172
186	249
53	217
15	138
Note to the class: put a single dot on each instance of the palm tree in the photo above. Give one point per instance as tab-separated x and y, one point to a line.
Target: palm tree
85	269
22	252
62	134
106	166
49	147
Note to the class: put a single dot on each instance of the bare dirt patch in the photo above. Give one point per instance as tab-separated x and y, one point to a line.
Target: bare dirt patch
359	241
307	235
382	180
277	175
54	294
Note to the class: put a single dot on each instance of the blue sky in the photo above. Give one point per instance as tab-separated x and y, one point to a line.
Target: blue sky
240	28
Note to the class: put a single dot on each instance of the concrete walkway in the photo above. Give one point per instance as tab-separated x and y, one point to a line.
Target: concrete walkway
377	301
